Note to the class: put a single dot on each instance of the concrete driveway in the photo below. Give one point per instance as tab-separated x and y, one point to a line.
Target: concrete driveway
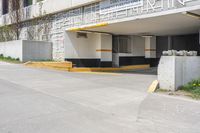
47	101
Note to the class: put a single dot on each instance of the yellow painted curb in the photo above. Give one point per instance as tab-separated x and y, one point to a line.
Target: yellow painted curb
152	88
68	66
110	69
51	65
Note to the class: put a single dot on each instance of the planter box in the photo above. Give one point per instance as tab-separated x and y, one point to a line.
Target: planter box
176	71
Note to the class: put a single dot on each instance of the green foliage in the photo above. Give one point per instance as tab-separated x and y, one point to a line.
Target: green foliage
6	33
193	87
9	59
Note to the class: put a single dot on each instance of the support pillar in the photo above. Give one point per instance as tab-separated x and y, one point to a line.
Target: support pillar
1	7
199	36
150	47
105	50
169	42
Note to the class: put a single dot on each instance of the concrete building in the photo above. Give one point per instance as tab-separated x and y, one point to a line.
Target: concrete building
96	33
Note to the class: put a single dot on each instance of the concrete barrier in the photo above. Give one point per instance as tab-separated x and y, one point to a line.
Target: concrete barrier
27	50
176	71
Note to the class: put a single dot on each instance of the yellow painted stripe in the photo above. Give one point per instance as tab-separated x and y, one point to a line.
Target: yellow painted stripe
88	27
152	88
133	67
51	65
104	50
150	49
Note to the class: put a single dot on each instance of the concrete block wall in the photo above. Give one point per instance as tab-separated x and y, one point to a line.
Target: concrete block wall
36	50
176	71
27	50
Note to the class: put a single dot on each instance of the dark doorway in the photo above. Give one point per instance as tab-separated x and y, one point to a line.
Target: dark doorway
180	42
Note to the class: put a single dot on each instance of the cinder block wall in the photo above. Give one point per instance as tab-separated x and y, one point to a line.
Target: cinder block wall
27	50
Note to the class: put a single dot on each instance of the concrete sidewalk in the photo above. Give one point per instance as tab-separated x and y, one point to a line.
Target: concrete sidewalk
47	101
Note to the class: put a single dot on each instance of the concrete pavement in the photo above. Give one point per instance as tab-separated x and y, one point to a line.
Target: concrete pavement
47	101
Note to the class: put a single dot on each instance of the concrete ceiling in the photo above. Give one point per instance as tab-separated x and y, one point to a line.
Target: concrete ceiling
172	24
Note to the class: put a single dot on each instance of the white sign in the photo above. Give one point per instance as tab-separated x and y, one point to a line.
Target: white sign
108	6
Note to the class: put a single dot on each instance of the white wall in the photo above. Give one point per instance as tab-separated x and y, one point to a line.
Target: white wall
96	46
106	44
150	47
12	49
82	48
27	50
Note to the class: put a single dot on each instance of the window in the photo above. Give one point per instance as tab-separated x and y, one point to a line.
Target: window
5	7
121	44
27	3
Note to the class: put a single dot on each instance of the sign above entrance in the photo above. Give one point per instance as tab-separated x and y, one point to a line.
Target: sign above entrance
110	6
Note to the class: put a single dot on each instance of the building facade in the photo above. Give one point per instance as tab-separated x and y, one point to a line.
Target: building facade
106	33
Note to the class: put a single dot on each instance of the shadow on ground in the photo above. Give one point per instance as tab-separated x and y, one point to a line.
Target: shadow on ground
150	71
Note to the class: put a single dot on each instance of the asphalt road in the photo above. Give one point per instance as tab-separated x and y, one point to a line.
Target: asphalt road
48	101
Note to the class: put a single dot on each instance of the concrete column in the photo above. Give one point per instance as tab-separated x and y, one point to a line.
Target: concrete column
169	42
105	50
106	47
150	47
1	7
199	36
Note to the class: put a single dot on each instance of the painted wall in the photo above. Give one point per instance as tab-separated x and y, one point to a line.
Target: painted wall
78	48
12	49
95	50
93	46
27	50
106	47
150	47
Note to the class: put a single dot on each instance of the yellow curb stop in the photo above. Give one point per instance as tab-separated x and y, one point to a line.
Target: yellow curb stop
152	88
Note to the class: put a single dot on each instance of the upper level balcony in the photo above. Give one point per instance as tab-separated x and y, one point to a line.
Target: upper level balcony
78	13
39	8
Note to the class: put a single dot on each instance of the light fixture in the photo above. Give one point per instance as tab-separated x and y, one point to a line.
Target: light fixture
147	36
194	15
